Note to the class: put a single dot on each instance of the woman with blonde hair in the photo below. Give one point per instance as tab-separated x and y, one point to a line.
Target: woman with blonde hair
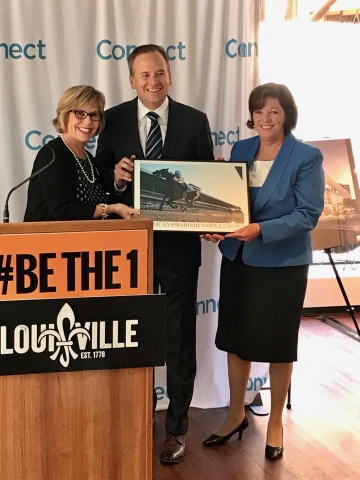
69	188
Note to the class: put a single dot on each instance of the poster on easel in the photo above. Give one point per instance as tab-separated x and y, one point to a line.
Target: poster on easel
339	224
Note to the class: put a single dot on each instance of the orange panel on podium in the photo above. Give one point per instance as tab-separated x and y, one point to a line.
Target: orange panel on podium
79	336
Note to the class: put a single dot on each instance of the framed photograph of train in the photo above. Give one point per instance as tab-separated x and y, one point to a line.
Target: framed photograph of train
193	196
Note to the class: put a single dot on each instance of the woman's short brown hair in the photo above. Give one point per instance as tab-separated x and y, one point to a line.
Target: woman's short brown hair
74	98
274	90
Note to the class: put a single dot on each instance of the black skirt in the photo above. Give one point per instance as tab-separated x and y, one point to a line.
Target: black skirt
260	310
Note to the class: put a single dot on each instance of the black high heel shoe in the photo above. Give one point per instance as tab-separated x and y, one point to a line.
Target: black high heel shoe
274	453
216	440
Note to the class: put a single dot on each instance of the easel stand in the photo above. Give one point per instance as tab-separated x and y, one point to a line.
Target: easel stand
350	309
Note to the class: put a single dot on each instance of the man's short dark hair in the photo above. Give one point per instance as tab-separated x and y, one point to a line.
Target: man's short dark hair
146	49
274	90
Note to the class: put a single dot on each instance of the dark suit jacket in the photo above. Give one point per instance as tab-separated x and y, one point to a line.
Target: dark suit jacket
188	137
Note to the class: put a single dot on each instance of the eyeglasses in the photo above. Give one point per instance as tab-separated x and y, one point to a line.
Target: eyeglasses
81	115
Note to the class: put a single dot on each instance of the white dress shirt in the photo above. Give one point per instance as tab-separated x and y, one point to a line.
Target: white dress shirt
144	124
144	121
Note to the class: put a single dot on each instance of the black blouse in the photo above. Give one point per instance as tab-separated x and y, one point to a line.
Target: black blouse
62	191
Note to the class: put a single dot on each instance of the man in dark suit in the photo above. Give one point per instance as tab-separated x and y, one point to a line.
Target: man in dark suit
185	134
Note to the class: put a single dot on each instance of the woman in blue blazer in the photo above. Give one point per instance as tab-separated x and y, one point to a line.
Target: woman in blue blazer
265	264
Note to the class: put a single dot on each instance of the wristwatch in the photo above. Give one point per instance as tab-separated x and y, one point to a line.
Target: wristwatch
104	215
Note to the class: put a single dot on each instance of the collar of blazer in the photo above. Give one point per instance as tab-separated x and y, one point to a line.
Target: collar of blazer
276	171
126	119
175	123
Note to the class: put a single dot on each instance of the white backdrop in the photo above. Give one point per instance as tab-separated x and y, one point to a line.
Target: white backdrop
47	46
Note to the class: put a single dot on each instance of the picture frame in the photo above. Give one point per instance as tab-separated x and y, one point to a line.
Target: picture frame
339	224
191	195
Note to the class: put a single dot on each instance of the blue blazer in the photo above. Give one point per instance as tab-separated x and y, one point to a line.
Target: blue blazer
287	206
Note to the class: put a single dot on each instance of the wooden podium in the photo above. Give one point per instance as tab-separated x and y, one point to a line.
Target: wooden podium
93	424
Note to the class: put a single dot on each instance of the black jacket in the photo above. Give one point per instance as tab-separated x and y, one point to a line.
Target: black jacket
188	137
52	193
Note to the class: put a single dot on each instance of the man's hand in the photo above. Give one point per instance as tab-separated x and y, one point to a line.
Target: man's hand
123	171
247	234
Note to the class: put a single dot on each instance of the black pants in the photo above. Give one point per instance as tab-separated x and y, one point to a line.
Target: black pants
180	287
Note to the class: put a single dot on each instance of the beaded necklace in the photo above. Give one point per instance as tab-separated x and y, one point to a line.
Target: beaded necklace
79	163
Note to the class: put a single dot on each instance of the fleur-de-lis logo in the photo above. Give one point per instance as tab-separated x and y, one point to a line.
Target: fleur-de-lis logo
62	341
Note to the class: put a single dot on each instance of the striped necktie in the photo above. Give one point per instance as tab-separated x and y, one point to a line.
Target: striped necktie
154	140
